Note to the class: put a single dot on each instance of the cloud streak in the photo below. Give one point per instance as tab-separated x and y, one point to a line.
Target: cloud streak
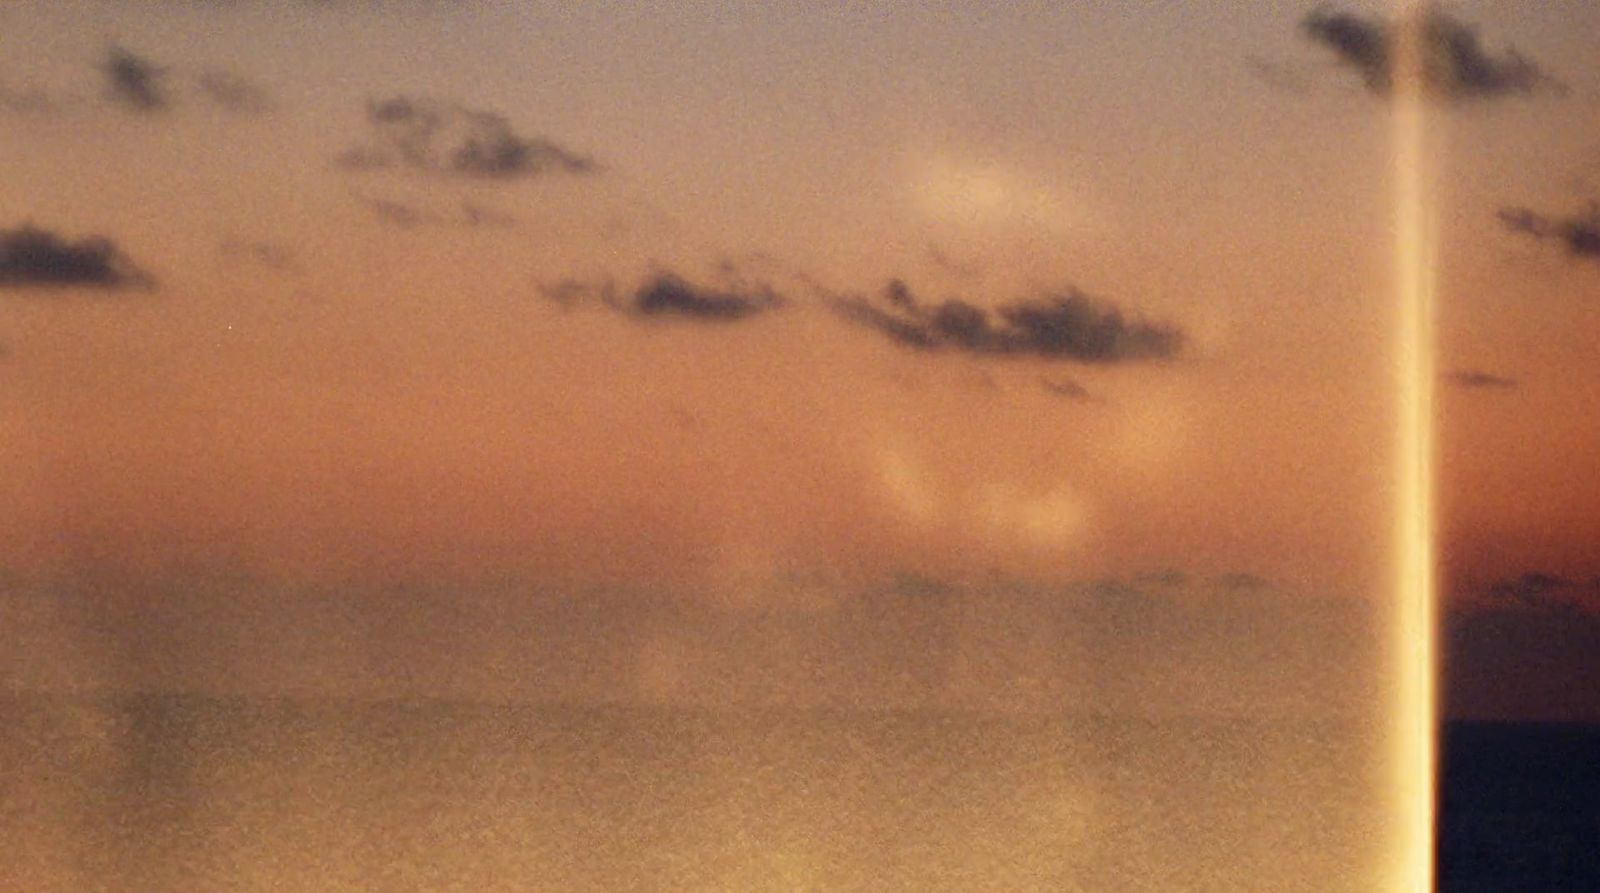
141	85
30	256
667	295
1457	65
1579	234
1477	380
1068	389
1063	326
454	140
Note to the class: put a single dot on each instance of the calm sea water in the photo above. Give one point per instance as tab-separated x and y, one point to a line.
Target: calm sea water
159	793
1520	808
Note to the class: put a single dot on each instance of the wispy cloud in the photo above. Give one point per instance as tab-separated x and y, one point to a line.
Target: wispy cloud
1578	233
1477	380
27	102
1457	65
666	295
390	212
447	138
476	215
234	92
1242	582
1068	326
1278	74
142	85
409	215
134	81
1068	389
948	263
30	256
268	255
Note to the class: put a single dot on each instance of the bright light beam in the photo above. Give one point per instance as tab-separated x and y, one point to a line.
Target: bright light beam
1416	625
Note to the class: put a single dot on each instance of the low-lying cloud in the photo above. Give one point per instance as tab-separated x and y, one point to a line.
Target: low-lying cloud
1067	325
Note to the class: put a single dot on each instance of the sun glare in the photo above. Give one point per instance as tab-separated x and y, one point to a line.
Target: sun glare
1415	626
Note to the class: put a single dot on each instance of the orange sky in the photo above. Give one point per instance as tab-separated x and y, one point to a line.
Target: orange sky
342	374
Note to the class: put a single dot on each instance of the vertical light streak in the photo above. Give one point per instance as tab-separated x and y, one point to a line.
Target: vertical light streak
1416	661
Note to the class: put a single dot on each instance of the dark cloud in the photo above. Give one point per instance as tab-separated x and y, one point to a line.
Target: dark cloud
233	92
34	257
1578	233
1477	380
134	81
446	138
1456	63
667	295
1067	326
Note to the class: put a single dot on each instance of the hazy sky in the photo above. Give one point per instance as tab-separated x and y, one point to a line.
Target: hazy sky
754	306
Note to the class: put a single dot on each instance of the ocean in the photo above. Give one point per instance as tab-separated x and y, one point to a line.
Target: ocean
1520	808
194	793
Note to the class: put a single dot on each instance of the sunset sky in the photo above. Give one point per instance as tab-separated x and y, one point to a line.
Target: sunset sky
342	343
